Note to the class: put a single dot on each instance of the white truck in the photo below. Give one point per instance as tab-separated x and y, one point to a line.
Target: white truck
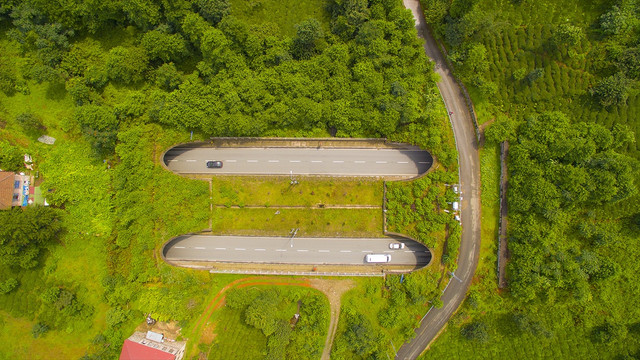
378	258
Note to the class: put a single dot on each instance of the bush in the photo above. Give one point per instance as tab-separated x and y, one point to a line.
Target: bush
8	285
30	124
39	329
10	157
612	90
475	331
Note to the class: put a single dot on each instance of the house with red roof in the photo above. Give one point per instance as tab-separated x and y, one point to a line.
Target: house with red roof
151	346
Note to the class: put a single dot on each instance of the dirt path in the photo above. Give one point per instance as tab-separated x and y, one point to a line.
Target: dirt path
333	289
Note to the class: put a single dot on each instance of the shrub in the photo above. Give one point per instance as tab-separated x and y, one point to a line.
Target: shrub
39	329
475	331
8	285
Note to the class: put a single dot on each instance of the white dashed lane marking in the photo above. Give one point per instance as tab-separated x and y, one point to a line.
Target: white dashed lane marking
231	160
199	248
240	249
281	250
252	161
294	161
323	250
274	161
301	250
190	160
179	247
359	162
260	249
316	161
345	251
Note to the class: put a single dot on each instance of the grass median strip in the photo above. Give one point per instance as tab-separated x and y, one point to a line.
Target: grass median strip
309	191
314	223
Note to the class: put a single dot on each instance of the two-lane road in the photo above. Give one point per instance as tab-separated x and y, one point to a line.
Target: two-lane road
469	163
285	250
300	161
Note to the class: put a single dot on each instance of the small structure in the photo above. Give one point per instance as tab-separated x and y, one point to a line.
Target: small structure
151	346
45	139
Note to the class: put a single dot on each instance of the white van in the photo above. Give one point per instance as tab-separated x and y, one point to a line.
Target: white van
378	258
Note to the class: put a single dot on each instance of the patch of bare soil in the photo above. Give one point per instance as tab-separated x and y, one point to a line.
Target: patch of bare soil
333	289
208	334
170	330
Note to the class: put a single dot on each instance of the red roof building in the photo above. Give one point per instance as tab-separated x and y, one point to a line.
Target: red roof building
136	351
7	180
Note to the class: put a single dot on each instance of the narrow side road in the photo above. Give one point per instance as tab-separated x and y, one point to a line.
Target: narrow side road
469	163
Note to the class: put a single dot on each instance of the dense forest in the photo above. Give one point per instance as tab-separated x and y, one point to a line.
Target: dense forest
118	82
559	81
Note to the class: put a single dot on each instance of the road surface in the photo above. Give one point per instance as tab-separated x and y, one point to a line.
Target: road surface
300	161
469	163
284	250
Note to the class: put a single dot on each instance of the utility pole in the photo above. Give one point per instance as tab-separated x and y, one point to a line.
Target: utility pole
454	276
293	234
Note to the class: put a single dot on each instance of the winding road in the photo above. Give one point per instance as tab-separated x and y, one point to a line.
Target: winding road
469	164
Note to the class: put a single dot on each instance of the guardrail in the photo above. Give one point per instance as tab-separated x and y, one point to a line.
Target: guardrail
299	273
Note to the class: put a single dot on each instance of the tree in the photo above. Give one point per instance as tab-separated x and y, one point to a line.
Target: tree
142	13
261	314
8	285
213	10
534	75
611	90
475	331
25	232
31	125
159	44
168	77
10	157
308	35
39	329
127	64
614	21
609	332
566	35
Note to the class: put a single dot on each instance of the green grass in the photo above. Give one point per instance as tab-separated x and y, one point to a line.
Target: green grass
17	342
283	13
311	222
234	334
235	190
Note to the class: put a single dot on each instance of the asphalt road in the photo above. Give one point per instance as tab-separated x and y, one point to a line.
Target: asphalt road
300	161
284	250
469	163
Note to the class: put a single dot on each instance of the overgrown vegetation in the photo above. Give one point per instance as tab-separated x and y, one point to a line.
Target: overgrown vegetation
272	311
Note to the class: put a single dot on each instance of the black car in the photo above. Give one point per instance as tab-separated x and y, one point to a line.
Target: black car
214	164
